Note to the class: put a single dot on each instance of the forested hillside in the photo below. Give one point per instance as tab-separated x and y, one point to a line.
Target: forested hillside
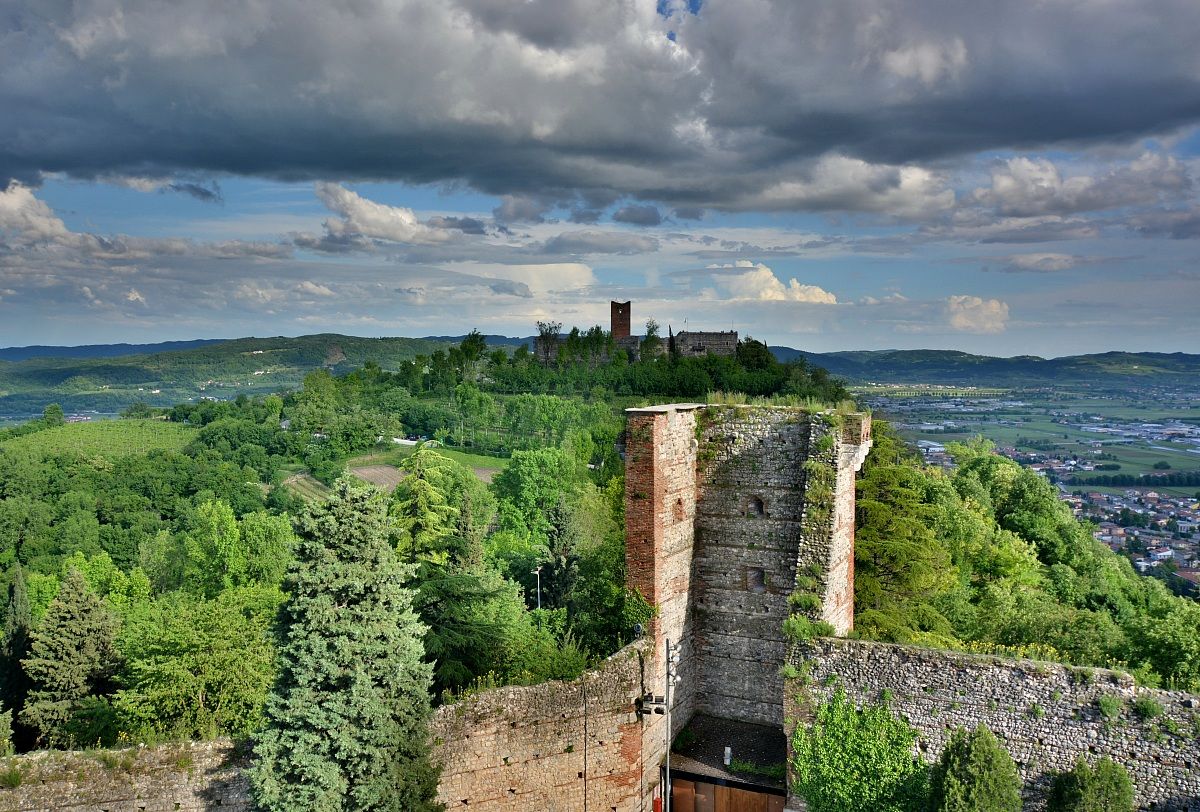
223	370
154	556
153	553
986	558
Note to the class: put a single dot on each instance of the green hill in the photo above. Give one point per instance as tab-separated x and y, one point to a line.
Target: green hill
224	370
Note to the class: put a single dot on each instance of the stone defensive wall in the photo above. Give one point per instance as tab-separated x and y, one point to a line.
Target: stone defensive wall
1046	714
187	777
725	506
557	746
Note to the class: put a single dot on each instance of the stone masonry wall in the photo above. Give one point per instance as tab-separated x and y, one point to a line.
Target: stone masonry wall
1046	714
189	777
755	530
558	746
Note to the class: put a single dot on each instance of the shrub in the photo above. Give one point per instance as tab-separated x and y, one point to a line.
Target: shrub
975	774
1146	708
1110	706
858	760
798	628
805	601
1103	788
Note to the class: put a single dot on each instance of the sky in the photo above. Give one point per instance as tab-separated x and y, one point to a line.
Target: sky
1009	177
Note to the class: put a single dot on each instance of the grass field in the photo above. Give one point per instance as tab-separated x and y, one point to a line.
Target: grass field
484	467
105	438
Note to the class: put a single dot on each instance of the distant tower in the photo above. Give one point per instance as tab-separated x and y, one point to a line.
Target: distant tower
620	319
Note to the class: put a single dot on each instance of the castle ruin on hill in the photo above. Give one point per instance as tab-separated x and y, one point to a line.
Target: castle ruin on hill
736	518
686	344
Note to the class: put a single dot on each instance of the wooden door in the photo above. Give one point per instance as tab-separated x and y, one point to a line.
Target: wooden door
740	800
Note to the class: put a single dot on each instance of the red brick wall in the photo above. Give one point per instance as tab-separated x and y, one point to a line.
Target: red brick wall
619	319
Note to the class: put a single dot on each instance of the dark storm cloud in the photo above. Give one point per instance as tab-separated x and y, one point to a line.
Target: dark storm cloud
756	105
206	193
638	215
467	225
599	242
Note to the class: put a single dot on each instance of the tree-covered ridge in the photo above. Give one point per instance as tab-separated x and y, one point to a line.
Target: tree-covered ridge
225	369
987	558
181	553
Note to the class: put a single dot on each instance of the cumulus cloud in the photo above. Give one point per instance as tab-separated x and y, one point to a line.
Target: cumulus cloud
362	219
748	281
841	183
971	314
26	219
1030	187
28	223
521	209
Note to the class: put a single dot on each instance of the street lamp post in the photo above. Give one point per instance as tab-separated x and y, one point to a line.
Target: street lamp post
538	573
662	705
672	652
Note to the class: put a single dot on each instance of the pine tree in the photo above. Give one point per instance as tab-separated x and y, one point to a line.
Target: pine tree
71	658
975	774
347	719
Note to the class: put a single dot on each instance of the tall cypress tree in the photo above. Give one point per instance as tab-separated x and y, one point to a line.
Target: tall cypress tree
71	657
347	719
18	626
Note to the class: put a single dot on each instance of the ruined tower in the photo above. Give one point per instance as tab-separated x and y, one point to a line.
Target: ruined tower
619	319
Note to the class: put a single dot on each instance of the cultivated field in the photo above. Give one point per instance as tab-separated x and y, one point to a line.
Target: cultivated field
105	438
307	487
384	477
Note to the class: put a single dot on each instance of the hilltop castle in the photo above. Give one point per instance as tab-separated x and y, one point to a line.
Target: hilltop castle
686	344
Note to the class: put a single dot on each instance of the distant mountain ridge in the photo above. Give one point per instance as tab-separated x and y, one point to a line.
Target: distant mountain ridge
221	369
109	377
955	367
101	350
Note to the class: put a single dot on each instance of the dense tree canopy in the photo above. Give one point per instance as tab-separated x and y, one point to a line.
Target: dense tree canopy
988	557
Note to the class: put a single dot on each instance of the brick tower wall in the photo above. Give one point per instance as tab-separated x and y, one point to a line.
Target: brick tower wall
660	505
619	313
